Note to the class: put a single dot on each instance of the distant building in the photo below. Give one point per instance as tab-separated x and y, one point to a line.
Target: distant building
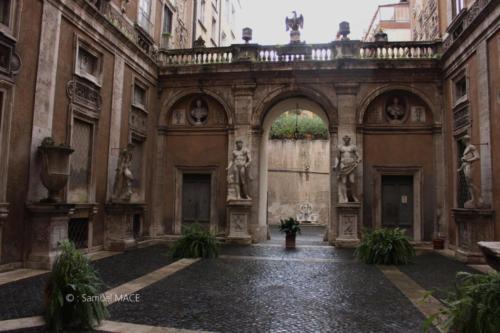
393	19
215	21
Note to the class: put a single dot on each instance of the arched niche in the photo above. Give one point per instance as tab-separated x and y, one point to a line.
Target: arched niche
196	112
395	108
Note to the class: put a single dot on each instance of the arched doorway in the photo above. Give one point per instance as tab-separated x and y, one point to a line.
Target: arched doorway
295	169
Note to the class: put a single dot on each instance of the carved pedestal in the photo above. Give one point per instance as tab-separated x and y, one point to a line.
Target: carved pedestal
48	227
473	226
120	233
348	219
238	214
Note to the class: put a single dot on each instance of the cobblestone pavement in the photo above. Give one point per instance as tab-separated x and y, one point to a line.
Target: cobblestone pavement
257	295
435	272
24	298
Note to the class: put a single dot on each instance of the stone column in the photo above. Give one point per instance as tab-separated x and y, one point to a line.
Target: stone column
44	92
115	123
484	143
349	215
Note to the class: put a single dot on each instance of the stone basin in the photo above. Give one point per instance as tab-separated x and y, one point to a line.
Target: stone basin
491	251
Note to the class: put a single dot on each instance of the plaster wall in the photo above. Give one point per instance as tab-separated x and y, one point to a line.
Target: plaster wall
289	184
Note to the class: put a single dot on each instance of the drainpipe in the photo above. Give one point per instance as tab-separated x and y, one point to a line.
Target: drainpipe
220	23
195	12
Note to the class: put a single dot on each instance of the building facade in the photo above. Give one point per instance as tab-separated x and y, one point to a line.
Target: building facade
215	21
136	136
392	19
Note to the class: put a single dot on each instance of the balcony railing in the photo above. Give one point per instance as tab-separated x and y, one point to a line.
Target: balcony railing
300	53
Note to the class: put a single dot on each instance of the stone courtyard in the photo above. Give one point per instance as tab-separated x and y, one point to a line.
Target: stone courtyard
259	288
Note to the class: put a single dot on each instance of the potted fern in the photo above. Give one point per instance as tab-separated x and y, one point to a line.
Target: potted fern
385	247
290	227
195	242
72	295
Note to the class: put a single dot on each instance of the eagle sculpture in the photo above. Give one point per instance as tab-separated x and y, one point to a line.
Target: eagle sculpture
295	23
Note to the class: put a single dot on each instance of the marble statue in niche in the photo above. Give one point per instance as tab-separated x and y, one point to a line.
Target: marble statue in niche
199	112
470	156
122	189
346	163
239	177
395	109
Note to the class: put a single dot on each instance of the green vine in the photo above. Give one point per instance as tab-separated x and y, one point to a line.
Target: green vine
306	127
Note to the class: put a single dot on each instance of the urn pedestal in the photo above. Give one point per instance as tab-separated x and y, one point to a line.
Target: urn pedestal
348	219
238	214
48	227
123	225
473	226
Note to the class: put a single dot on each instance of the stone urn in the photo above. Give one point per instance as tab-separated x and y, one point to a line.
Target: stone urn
381	36
55	168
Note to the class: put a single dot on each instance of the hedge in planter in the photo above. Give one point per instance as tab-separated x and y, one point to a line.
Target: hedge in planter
385	247
195	242
474	305
72	293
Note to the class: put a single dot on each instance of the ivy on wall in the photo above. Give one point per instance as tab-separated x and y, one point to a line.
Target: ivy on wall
306	124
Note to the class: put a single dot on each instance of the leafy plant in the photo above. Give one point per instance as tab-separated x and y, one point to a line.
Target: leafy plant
284	127
474	305
290	226
385	246
195	242
72	293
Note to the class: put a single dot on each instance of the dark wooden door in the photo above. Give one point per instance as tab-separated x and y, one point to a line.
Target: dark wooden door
196	198
397	202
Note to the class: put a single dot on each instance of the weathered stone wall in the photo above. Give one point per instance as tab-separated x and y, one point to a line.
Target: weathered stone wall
290	184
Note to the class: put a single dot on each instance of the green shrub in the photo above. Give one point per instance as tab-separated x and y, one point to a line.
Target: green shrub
474	305
195	242
284	127
290	226
386	247
72	293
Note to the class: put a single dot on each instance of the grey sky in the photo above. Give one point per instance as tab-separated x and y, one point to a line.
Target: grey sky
321	18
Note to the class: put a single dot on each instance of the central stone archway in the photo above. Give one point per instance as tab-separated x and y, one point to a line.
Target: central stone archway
288	103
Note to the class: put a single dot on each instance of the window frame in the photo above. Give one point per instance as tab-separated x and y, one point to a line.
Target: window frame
82	44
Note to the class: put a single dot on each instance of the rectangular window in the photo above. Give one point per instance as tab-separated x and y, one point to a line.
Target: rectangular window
460	89
201	13
139	96
458	5
81	159
144	17
88	63
5	12
167	20
214	29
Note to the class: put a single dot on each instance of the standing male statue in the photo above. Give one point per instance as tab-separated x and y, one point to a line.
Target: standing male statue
346	163
238	167
469	156
122	189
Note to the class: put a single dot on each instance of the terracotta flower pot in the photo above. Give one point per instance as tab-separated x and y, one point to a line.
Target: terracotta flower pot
55	169
290	241
438	243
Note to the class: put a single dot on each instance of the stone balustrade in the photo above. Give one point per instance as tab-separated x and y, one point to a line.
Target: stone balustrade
299	52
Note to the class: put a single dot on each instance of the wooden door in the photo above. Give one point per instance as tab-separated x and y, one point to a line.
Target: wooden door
196	198
397	203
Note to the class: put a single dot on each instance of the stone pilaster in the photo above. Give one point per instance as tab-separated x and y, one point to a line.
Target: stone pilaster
348	125
44	92
484	122
4	212
115	126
